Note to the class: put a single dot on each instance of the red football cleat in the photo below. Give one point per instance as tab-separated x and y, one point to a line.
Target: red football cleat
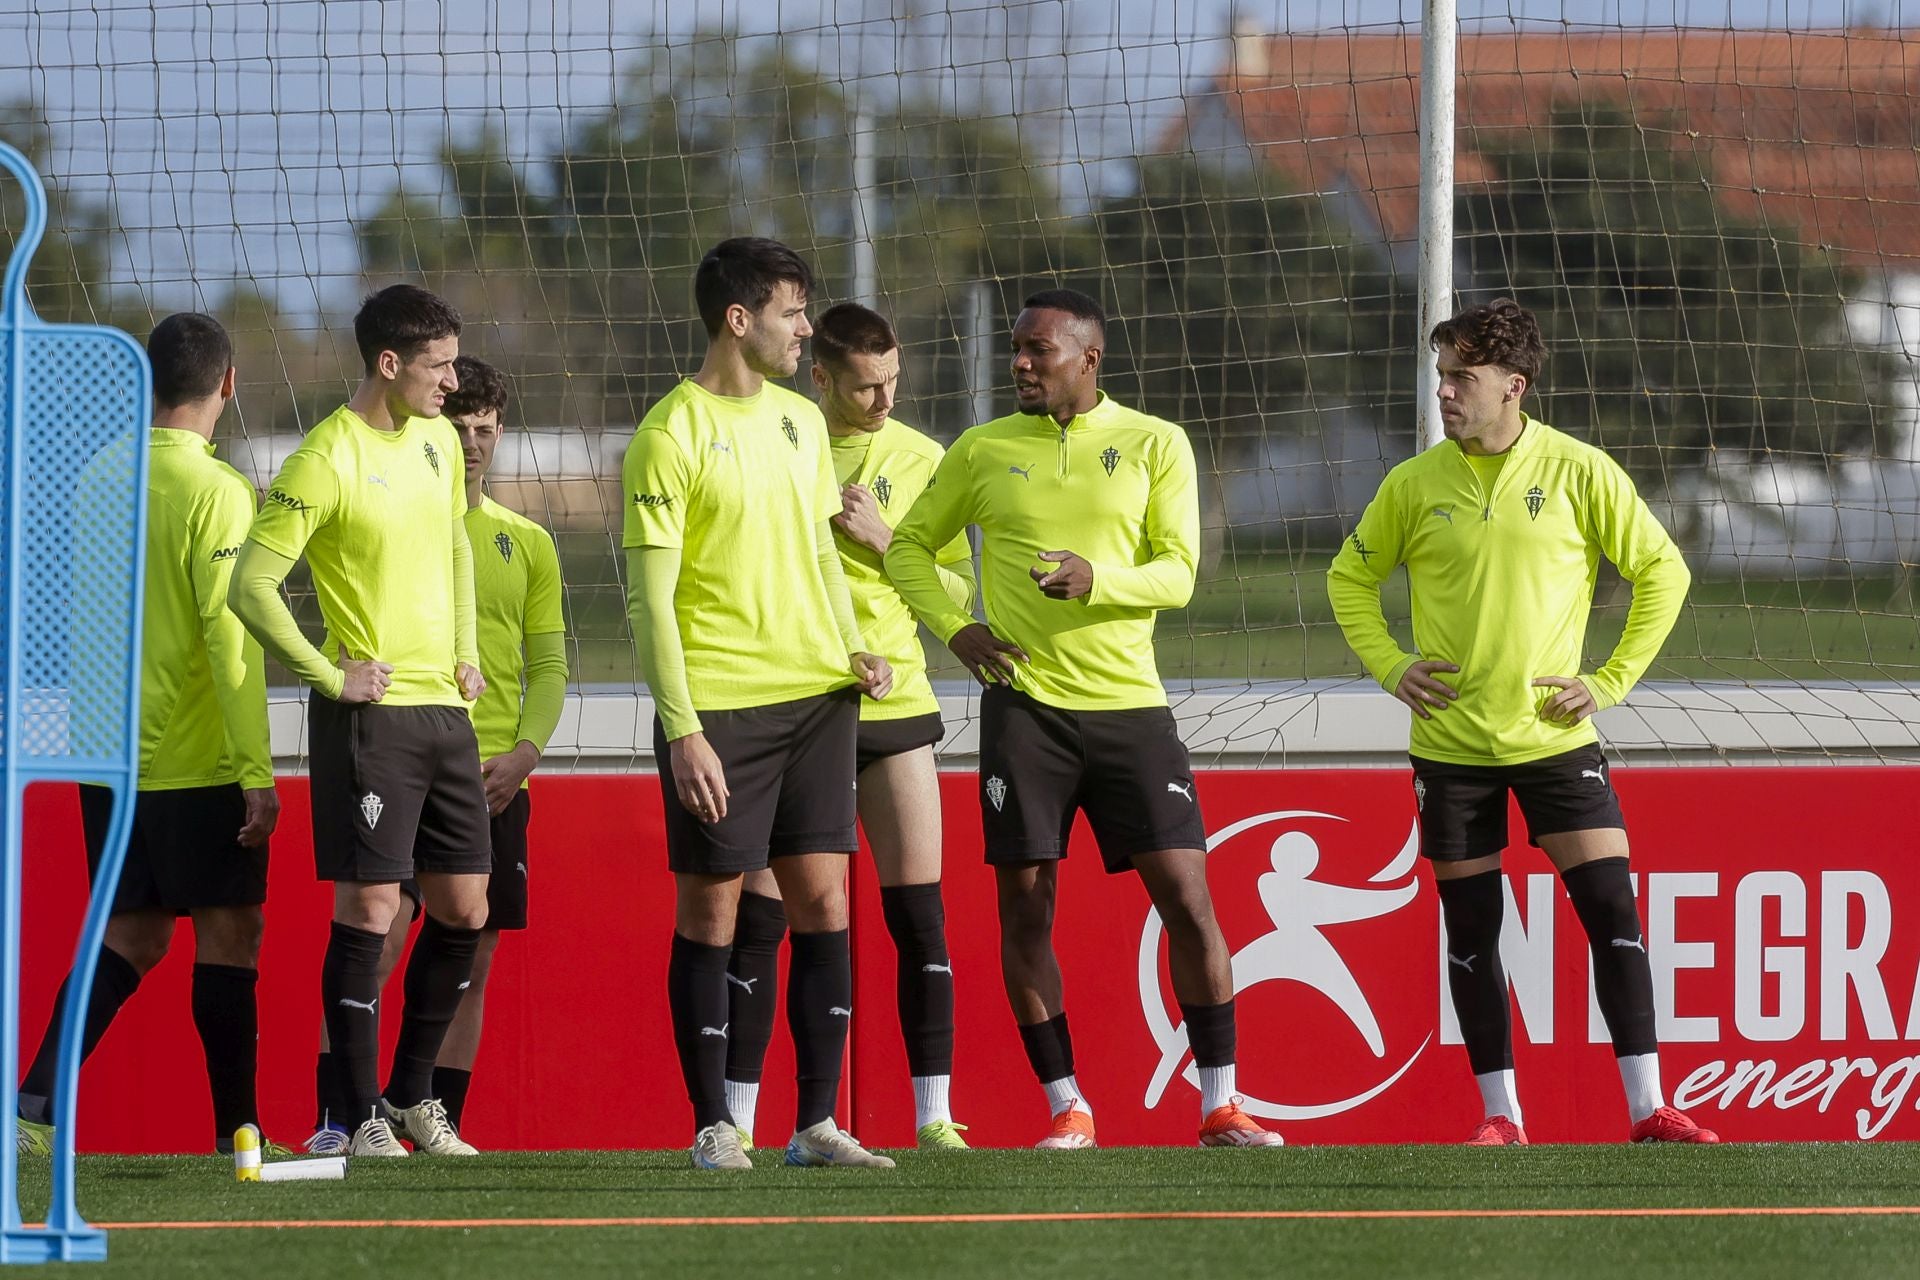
1498	1131
1668	1125
1072	1131
1229	1126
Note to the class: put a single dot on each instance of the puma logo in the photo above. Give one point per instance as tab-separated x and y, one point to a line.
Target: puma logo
839	1012
720	1030
745	984
1632	944
463	986
1466	964
937	968
1025	473
359	1004
1595	774
1179	790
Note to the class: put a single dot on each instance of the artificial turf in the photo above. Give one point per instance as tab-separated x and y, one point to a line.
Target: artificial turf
659	1184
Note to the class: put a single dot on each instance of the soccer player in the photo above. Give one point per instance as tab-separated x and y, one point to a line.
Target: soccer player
523	646
881	465
205	803
747	638
522	639
1501	527
374	500
1089	520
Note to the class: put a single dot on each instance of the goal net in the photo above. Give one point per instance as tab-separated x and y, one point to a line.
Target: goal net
1719	226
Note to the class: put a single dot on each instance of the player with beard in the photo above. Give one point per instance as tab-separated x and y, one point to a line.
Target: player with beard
747	639
1089	520
882	465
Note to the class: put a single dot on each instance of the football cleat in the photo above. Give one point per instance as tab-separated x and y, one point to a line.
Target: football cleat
1072	1131
426	1125
30	1139
941	1135
827	1143
1498	1131
375	1138
1668	1125
1229	1126
718	1147
328	1140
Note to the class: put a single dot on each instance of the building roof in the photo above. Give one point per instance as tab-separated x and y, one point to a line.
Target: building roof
1812	134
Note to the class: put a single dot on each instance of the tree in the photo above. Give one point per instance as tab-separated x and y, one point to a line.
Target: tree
1675	329
70	280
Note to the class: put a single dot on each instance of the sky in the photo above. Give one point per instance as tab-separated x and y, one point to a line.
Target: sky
239	138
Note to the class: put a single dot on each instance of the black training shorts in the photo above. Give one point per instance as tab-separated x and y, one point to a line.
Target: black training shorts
882	738
1127	770
1463	807
790	785
181	852
396	790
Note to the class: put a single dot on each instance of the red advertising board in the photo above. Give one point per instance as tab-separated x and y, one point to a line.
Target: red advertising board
1782	911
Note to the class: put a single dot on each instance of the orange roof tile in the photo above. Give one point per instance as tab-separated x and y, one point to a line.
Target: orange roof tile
1815	134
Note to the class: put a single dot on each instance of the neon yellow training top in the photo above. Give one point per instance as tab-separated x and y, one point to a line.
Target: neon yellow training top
203	685
1114	486
740	486
380	517
894	463
516	597
1502	582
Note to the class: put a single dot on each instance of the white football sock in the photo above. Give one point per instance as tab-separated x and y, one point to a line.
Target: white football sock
1216	1088
930	1100
1640	1076
1064	1093
742	1101
1498	1095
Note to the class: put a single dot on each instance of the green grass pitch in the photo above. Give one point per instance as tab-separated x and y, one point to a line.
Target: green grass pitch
576	1185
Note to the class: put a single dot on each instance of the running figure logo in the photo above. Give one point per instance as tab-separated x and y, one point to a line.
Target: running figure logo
1295	950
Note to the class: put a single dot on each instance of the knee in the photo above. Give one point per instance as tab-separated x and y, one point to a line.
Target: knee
141	940
230	937
821	909
465	915
1026	918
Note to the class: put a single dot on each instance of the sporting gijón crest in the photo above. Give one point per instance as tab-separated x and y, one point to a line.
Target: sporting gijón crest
1536	498
793	432
1110	459
502	541
433	455
882	489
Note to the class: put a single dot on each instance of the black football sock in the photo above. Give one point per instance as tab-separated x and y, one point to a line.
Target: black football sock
697	998
923	982
350	1002
227	1017
1474	907
450	1085
1602	894
438	972
1210	1032
819	1012
114	982
1049	1048
753	981
332	1100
